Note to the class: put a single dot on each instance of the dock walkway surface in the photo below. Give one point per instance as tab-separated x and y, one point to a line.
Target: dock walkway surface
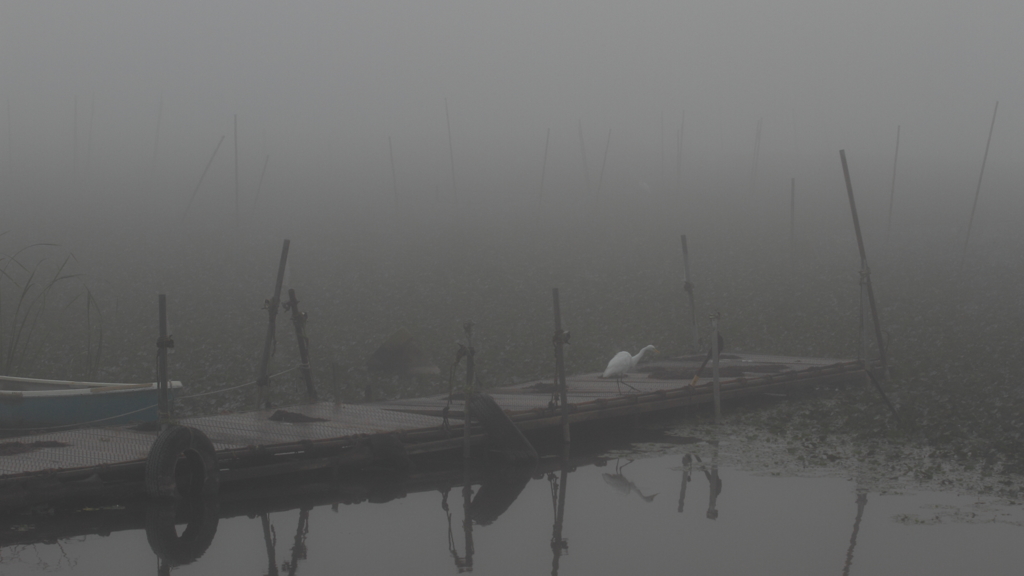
251	445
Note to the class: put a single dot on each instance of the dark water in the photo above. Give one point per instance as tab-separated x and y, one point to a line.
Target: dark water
627	514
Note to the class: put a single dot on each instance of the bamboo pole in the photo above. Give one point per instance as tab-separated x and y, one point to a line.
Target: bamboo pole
260	185
865	271
236	168
451	149
156	139
792	219
74	143
892	188
162	344
717	384
544	165
757	148
679	155
600	179
272	305
583	153
977	192
470	366
394	174
299	321
688	286
196	191
560	340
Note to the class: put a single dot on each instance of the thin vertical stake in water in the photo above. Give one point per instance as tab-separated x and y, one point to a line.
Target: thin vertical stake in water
892	189
977	192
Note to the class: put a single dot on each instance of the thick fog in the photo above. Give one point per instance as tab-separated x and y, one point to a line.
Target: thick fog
407	144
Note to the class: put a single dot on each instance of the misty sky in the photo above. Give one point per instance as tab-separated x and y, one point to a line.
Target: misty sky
321	86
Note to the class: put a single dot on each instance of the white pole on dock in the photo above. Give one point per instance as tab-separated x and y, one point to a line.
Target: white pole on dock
714	367
688	286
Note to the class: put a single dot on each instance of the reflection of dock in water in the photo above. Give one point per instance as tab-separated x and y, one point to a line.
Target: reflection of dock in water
102	462
487	493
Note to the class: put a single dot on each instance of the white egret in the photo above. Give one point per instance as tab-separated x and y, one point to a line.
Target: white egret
622	363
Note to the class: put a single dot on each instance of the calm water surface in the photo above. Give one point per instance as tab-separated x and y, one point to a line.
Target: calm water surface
628	516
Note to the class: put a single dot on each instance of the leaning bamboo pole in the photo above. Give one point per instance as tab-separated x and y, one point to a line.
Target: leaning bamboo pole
977	192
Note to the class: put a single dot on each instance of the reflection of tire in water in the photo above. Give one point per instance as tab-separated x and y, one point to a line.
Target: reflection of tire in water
201	516
182	462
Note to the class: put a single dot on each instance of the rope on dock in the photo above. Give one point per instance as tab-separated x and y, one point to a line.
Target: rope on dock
239	386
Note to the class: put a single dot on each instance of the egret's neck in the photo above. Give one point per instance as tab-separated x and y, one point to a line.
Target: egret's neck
640	354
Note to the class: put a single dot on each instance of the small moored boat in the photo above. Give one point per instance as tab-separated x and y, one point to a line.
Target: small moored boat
36	403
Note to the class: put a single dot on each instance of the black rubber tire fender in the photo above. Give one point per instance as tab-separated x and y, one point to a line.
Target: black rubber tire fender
200	477
202	515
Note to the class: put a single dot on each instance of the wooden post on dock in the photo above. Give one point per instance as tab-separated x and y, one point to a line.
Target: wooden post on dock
864	270
688	286
468	327
717	387
560	340
299	320
272	305
162	344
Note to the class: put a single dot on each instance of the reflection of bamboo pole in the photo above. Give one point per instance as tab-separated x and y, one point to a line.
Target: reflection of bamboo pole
978	191
862	500
467	520
687	470
299	545
558	544
270	541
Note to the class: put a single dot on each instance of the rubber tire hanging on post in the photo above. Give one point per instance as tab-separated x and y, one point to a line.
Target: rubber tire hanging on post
182	446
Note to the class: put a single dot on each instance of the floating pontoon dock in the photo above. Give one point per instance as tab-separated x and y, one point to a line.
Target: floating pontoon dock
99	462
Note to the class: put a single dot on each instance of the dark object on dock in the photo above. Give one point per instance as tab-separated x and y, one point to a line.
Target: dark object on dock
12	448
400	354
182	462
293	417
501	431
201	515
